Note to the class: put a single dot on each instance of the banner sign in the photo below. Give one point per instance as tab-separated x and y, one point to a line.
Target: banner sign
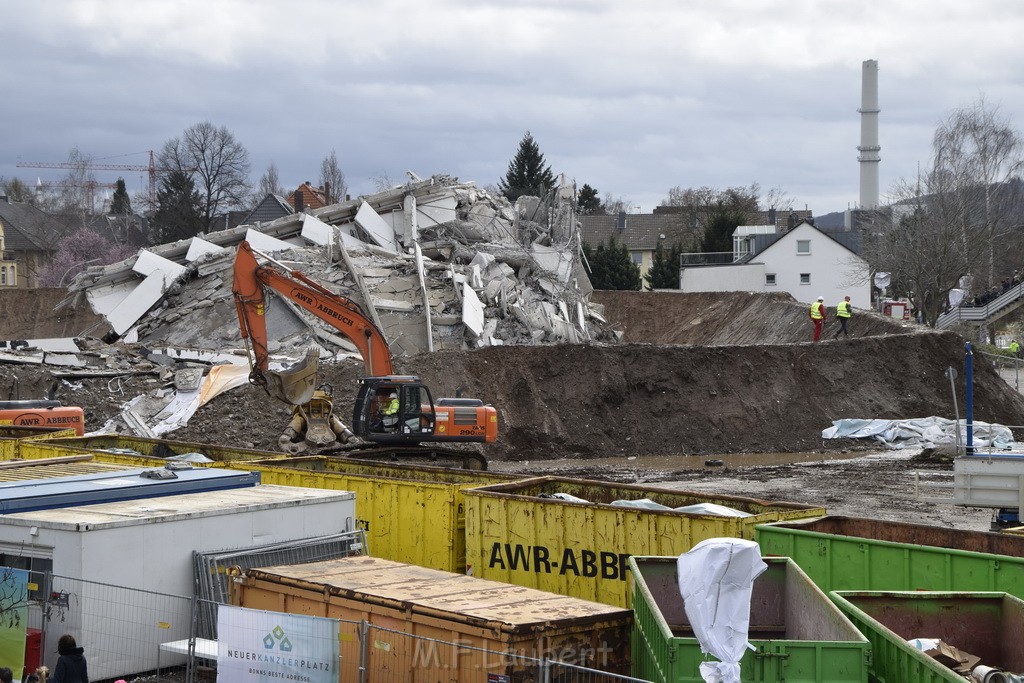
13	617
257	646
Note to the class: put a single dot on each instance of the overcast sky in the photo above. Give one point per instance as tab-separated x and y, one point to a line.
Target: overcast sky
632	97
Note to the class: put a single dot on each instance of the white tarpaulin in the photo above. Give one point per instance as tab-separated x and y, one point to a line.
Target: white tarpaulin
253	645
920	432
716	579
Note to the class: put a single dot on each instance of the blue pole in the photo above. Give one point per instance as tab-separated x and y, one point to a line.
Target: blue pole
969	399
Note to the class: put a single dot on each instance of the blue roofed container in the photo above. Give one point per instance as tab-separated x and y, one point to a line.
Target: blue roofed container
987	625
799	635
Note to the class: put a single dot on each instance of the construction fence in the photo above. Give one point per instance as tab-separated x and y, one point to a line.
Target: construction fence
137	634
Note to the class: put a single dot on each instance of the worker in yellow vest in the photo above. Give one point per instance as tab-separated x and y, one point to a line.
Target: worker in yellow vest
818	316
843	313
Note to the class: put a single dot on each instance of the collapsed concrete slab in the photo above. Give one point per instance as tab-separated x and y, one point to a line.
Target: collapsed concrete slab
436	263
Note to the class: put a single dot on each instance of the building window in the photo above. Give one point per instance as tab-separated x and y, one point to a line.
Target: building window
3	276
803	246
39	569
769	279
805	278
638	257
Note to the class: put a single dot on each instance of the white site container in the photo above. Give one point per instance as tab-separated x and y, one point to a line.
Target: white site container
148	544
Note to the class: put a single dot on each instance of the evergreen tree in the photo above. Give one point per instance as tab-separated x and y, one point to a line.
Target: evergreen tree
179	212
718	234
121	204
527	174
589	202
664	270
611	266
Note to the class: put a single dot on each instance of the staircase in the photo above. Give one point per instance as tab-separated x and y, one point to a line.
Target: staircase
1004	304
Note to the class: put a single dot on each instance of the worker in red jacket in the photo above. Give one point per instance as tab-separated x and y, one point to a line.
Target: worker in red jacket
818	316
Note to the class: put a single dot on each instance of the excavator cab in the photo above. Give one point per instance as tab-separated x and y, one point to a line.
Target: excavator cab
393	409
418	417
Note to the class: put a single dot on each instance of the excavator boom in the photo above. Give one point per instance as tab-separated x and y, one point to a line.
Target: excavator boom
393	409
251	279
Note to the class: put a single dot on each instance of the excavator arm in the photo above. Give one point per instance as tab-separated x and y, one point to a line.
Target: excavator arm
250	282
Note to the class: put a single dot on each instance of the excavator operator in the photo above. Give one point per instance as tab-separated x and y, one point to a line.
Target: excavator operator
387	412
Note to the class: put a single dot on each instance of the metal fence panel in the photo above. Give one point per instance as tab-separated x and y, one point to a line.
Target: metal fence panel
120	628
213	570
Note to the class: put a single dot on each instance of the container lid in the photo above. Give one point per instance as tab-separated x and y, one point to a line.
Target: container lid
442	594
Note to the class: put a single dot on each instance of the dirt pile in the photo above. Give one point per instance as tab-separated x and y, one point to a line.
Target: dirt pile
30	314
639	399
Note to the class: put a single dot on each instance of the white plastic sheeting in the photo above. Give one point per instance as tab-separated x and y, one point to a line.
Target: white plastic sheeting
716	579
920	432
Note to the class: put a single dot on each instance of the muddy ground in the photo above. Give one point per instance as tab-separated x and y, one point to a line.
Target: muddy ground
697	376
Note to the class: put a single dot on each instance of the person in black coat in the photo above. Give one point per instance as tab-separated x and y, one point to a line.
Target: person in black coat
71	667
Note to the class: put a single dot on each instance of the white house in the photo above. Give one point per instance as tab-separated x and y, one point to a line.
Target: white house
806	262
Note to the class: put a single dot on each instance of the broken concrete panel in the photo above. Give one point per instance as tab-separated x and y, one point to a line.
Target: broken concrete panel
549	287
483	260
472	311
263	242
396	285
499	269
316	231
411	231
149	263
105	298
135	305
475	278
377	272
558	262
53	345
376	227
199	247
435	210
393	304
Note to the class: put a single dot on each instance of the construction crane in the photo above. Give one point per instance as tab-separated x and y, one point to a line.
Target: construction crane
151	169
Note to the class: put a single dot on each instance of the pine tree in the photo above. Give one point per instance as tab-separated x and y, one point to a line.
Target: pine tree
589	202
179	209
527	174
664	270
611	266
121	204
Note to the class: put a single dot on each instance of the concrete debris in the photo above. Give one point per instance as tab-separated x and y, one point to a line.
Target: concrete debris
440	264
435	263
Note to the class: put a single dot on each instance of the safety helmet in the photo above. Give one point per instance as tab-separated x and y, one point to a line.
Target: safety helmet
821	298
393	395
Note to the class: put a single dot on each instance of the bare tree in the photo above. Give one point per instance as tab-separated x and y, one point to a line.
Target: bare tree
332	179
978	155
16	189
217	161
920	241
270	183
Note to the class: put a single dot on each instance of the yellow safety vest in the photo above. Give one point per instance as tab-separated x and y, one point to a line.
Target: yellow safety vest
391	407
843	309
817	310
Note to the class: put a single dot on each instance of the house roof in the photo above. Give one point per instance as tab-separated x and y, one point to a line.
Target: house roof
641	232
846	239
312	197
271	208
29	228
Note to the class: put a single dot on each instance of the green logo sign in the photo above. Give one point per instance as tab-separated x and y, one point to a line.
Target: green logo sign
277	637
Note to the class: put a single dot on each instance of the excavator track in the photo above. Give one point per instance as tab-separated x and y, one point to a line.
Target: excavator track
429	455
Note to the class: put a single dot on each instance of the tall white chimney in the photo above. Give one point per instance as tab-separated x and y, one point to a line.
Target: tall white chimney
869	147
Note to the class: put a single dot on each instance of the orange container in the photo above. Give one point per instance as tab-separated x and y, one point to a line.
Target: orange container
54	417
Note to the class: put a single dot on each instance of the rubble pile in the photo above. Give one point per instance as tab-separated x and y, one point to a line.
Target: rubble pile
436	263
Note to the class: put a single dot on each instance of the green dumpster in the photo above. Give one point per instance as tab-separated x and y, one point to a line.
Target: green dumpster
987	625
798	634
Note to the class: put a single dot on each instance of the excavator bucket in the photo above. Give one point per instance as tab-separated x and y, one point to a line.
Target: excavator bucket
296	384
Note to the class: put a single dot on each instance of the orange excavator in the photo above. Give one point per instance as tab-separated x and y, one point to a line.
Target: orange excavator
389	409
